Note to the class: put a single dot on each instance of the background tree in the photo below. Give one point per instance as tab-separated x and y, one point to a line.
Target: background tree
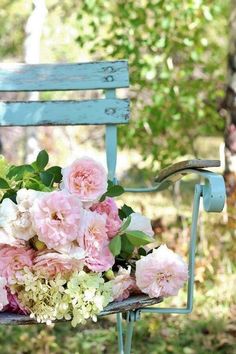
176	52
175	55
229	109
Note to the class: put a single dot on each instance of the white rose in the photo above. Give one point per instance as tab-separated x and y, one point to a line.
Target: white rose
141	223
8	212
15	223
26	197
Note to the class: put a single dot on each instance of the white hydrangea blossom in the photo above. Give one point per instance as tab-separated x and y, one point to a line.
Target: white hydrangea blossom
81	297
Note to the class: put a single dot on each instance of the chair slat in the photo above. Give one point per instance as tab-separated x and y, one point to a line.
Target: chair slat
60	77
104	111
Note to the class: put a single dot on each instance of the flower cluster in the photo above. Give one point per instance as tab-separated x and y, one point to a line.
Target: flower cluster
67	250
79	297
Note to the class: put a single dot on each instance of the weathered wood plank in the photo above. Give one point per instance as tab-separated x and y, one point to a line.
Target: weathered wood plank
183	165
104	111
131	303
52	77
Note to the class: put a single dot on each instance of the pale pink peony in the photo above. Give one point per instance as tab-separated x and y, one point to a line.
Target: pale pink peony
14	305
94	240
57	217
13	259
86	178
124	285
50	264
161	273
3	293
109	208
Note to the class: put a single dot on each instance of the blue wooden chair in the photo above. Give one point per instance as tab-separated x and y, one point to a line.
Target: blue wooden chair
110	112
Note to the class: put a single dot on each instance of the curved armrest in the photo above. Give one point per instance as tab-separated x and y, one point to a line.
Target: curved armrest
177	170
213	190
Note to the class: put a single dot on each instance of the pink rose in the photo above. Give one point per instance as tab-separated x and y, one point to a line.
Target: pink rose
124	285
109	208
86	178
13	259
161	273
14	305
57	218
50	264
94	240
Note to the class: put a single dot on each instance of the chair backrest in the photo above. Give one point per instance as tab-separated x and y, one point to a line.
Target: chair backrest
108	111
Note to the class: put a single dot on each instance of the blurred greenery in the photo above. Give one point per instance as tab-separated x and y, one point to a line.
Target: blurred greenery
177	54
177	57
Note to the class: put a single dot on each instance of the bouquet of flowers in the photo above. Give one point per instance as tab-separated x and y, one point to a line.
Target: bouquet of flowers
67	250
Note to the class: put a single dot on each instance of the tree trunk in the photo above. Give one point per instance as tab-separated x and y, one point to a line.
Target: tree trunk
229	106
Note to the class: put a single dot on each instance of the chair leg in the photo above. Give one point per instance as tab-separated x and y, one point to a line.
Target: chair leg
120	333
129	332
132	316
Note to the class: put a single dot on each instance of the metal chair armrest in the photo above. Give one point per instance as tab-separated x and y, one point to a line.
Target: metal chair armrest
213	190
179	168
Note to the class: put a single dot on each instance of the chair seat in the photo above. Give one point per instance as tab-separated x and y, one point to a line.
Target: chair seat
132	303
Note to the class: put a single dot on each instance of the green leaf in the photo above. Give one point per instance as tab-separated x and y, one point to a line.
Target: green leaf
42	160
127	247
115	191
4	184
142	252
115	245
47	178
19	172
125	211
110	184
4	167
125	225
37	185
11	194
56	172
138	238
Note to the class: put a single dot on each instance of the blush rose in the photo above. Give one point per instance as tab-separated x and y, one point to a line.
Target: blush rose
86	178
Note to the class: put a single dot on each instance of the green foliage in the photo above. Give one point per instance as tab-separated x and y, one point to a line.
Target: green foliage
56	172
124	225
42	160
138	238
4	184
113	190
13	17
33	176
126	240
177	60
176	53
125	211
115	245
